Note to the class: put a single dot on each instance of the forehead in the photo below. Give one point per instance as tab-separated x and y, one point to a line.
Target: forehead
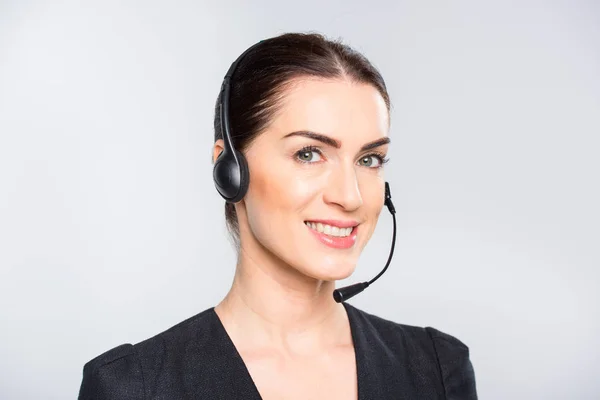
340	108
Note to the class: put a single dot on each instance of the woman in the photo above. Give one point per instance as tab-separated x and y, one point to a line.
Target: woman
309	119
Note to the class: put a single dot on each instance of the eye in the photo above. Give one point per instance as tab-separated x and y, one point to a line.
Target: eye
308	155
373	161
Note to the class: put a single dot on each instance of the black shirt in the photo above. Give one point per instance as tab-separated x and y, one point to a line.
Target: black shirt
196	359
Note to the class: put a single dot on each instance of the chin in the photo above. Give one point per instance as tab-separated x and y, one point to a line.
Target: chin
332	272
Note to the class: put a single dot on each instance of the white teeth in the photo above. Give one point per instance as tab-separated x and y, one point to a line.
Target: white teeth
329	230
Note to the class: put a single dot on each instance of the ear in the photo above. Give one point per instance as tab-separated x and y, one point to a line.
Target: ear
217	149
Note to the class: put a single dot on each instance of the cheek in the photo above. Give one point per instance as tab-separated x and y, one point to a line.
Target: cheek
278	194
373	190
373	200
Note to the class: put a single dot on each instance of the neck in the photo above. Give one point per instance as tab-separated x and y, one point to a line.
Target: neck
273	305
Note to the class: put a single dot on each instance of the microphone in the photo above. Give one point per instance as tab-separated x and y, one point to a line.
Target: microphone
343	294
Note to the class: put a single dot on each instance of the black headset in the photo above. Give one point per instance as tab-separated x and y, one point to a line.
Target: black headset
230	171
231	176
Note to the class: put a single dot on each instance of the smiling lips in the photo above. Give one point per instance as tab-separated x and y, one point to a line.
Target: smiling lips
336	234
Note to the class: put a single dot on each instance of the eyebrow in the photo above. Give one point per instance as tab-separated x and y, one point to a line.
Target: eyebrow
335	143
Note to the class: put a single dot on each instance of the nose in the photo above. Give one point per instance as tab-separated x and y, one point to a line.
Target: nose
343	189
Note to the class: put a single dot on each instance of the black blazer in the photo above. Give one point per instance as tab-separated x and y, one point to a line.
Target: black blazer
196	359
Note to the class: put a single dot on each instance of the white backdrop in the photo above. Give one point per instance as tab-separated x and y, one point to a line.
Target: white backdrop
111	230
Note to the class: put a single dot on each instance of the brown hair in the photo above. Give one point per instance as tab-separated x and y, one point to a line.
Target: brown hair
259	82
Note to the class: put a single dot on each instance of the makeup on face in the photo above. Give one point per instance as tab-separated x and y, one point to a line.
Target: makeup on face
336	234
372	157
317	179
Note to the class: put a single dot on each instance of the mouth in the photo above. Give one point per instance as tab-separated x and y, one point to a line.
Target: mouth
336	234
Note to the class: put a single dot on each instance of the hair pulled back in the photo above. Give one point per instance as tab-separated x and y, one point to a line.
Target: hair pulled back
258	85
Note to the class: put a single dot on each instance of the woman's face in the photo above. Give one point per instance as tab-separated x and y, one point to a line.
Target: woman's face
316	190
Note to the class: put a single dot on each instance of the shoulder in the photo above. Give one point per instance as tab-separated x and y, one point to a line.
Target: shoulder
115	373
430	348
391	331
109	357
446	343
121	371
455	365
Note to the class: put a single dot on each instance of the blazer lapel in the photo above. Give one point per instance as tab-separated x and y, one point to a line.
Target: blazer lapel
369	361
221	373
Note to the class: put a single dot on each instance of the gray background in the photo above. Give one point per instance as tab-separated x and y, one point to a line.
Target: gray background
111	230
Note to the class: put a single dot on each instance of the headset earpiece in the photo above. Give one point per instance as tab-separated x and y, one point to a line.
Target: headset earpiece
231	176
